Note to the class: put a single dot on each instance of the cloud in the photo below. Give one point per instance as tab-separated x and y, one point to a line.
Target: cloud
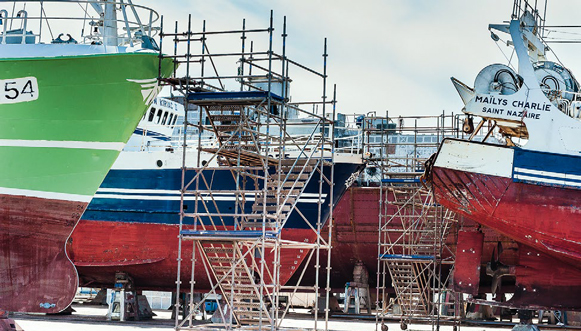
383	54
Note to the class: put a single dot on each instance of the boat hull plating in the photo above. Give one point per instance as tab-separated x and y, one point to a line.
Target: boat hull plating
356	220
132	225
524	204
149	252
532	200
57	144
33	235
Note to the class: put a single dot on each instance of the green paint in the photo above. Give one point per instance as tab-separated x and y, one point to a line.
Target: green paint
62	170
85	98
81	98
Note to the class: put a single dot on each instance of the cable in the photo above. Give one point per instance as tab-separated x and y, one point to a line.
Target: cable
507	59
84	19
551	50
47	23
13	9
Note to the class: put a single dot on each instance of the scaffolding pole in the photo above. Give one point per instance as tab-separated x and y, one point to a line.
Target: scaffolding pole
413	258
248	185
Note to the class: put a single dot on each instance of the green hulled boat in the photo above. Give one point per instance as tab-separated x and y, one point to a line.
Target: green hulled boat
67	108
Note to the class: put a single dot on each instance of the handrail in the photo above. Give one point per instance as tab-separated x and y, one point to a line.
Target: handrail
3	18
102	28
24	17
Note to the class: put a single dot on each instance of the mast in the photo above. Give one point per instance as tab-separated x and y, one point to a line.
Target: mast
110	37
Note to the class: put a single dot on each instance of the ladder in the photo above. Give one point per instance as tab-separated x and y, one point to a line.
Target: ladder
236	203
413	230
235	275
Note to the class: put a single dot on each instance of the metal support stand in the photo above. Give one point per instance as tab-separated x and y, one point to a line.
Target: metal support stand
8	324
358	291
124	303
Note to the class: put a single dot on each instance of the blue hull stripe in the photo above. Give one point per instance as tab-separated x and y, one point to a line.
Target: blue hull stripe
547	169
152	134
153	196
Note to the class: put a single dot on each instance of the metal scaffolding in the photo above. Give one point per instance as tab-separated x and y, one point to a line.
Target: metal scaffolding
413	257
401	145
242	193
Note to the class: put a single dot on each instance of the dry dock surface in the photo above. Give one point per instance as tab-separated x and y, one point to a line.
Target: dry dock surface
92	318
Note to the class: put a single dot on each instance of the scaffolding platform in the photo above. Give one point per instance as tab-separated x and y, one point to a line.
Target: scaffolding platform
228	235
233	98
236	203
400	180
402	257
413	258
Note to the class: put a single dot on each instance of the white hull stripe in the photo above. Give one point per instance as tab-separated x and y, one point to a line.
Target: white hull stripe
143	81
100	191
136	191
46	195
113	146
151	85
547	173
178	198
548	180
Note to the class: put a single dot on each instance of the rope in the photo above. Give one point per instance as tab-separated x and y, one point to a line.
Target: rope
47	24
84	18
509	60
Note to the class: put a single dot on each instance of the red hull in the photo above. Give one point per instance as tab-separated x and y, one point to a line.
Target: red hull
356	221
149	252
545	283
34	269
542	217
545	222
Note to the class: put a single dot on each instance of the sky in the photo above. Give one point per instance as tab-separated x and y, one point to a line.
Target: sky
384	55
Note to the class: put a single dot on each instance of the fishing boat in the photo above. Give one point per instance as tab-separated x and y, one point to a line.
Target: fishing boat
529	187
77	77
398	147
132	223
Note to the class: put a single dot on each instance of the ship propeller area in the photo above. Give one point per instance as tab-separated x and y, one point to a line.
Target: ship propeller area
497	269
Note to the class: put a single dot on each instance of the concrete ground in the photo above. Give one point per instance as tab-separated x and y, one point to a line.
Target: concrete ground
92	318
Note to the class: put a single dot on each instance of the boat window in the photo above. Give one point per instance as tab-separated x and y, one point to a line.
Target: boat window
170	119
151	114
174	120
158	116
164	118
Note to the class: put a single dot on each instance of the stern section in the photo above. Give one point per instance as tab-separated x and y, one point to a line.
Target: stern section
531	197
